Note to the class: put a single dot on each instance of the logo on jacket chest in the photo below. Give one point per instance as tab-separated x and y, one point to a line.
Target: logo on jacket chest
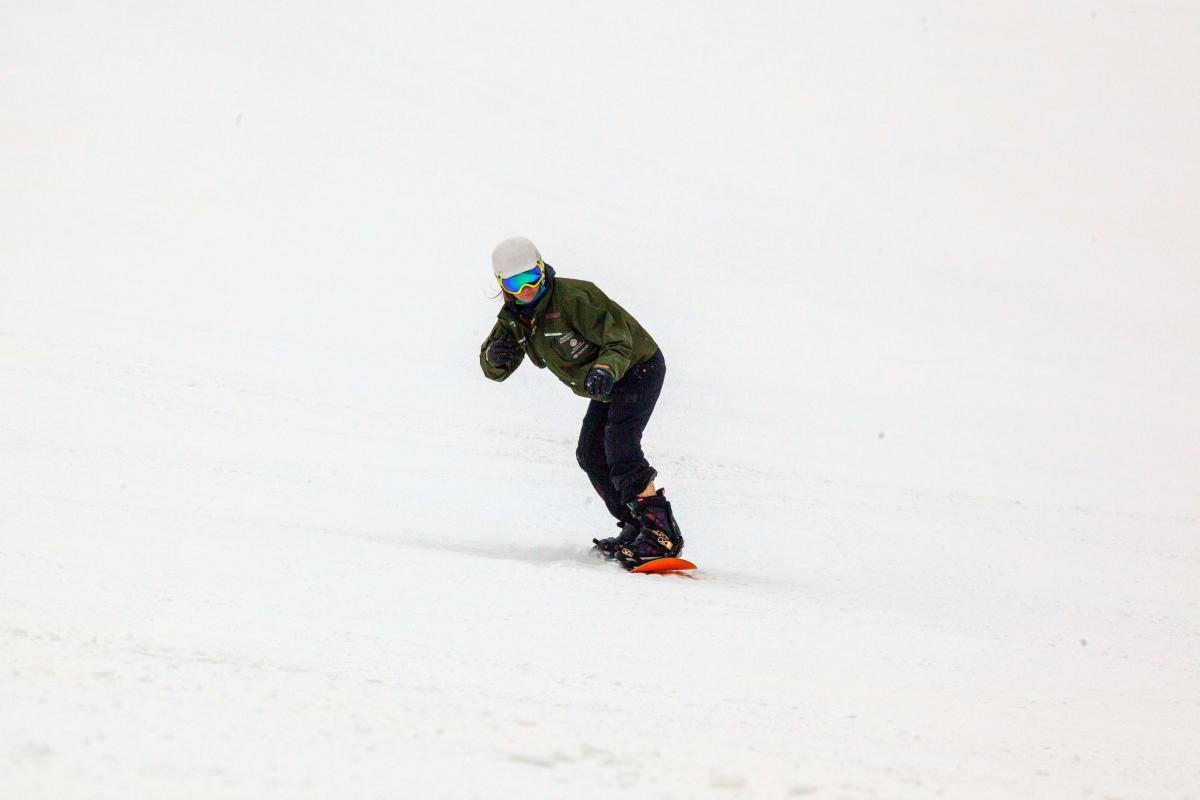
569	345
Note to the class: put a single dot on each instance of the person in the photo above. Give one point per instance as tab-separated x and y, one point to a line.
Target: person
601	353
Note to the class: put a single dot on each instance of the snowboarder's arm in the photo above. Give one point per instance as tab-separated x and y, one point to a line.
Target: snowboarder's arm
607	324
499	372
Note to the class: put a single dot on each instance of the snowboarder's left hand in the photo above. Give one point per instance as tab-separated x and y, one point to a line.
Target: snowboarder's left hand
598	383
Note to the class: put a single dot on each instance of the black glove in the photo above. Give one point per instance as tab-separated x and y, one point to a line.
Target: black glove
598	383
500	352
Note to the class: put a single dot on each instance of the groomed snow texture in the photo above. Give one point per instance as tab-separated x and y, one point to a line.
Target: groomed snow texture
927	280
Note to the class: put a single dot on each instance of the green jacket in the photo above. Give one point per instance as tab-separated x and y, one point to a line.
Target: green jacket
574	327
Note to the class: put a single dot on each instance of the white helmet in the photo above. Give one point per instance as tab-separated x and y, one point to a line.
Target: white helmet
514	256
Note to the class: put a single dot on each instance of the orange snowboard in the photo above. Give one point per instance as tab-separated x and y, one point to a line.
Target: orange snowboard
664	565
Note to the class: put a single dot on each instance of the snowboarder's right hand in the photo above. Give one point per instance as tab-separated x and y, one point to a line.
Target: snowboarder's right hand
500	352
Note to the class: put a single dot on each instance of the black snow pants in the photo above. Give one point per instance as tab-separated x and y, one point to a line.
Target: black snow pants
610	441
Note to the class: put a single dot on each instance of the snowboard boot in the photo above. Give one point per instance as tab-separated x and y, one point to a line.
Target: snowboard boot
659	536
608	547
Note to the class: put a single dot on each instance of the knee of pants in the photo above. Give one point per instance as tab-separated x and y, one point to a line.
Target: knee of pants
587	459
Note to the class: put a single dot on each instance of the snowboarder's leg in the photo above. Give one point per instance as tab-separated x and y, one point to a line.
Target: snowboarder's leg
633	401
592	459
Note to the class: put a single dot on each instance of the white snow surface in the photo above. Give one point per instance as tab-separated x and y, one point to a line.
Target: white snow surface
926	277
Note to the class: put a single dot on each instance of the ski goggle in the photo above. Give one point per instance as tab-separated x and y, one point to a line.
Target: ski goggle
530	277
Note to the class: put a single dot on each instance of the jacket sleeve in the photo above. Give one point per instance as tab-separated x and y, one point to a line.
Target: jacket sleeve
499	373
606	323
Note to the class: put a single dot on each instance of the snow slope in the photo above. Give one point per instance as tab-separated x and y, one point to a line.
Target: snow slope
926	282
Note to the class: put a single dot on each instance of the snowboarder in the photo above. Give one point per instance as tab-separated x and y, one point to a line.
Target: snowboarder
600	352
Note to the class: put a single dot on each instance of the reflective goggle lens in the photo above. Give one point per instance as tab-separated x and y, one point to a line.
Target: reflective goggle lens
530	277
